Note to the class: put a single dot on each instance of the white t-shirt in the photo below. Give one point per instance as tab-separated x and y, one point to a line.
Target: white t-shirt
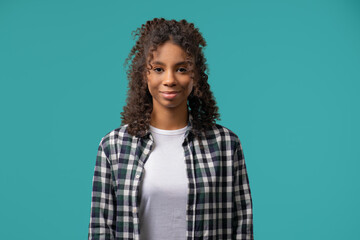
164	188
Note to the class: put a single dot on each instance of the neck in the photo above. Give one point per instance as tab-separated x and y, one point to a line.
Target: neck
169	119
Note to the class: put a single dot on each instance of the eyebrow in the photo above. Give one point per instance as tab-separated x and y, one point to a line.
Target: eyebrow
163	64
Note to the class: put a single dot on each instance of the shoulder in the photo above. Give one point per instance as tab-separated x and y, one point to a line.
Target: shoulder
116	136
223	134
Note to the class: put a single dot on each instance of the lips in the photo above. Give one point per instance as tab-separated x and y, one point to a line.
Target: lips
169	92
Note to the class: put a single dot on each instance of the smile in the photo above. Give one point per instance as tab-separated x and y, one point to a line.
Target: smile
169	95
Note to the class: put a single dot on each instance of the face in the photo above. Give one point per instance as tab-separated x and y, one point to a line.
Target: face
169	81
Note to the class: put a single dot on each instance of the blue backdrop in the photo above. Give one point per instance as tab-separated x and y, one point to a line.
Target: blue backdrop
285	75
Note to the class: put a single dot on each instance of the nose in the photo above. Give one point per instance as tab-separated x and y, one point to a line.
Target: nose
170	79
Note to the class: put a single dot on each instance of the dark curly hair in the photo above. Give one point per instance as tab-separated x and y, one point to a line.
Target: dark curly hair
202	106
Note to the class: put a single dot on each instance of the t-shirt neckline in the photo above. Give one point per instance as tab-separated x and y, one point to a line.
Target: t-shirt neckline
168	132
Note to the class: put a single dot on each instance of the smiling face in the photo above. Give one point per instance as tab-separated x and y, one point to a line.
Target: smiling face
169	81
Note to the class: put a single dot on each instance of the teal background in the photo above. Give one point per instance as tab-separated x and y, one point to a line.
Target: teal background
285	75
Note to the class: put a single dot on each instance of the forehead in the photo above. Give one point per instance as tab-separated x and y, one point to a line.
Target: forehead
169	52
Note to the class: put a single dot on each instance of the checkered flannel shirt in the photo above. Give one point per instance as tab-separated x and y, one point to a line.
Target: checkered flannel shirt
219	200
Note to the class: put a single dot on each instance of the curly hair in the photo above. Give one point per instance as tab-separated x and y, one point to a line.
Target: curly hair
202	105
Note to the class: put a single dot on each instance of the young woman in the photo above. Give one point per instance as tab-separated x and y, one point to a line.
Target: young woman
169	171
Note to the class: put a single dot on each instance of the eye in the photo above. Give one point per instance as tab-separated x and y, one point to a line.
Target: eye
157	69
183	70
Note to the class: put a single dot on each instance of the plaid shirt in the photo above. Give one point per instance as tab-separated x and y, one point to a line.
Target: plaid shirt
219	200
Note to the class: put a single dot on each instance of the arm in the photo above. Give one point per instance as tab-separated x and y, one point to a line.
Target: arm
243	200
103	200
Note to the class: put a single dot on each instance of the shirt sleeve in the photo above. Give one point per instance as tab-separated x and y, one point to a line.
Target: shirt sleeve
102	224
243	200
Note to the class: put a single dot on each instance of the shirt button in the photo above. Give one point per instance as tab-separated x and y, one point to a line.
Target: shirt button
134	210
137	176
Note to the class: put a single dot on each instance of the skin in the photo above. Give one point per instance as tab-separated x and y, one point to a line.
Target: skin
170	72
